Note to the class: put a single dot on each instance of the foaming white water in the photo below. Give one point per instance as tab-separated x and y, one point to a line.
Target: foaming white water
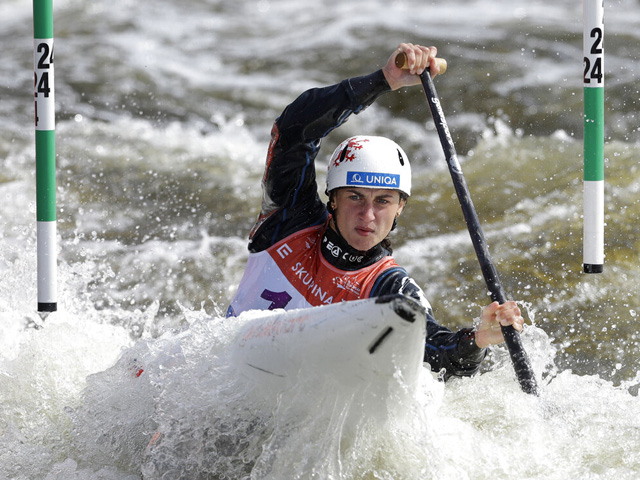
43	370
85	401
164	117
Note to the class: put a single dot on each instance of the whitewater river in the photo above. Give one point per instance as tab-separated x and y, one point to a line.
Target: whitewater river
164	111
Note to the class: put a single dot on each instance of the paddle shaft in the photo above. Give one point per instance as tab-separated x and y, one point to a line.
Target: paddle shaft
518	355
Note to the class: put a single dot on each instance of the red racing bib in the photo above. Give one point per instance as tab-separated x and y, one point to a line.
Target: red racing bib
293	274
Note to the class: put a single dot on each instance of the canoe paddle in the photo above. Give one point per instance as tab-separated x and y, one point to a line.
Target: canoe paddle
519	357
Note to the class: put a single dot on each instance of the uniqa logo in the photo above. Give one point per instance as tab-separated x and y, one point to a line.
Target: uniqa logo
367	179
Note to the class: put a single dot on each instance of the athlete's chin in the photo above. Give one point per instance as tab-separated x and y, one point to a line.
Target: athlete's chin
364	243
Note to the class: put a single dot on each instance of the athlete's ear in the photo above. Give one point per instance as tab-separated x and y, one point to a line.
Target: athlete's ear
331	204
403	202
332	200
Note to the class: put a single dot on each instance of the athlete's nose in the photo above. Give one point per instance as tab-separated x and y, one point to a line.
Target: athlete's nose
367	212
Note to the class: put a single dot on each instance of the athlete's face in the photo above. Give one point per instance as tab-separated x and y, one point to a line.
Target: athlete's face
365	215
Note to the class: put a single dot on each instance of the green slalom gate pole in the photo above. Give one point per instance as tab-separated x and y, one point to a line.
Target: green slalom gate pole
593	38
45	154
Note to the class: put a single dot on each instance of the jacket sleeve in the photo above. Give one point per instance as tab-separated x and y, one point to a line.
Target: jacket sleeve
455	353
290	199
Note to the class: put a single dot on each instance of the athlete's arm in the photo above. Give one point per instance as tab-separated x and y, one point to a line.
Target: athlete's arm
454	352
290	193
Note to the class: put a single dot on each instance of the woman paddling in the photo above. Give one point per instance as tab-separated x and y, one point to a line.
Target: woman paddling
305	253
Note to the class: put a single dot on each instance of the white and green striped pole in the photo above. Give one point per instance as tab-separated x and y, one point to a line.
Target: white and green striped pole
45	155
593	38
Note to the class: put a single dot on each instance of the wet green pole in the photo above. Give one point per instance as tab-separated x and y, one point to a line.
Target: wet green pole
45	154
593	38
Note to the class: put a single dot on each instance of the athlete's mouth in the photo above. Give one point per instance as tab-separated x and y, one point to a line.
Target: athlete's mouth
364	230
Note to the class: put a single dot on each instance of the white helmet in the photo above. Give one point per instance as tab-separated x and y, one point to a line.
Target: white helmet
369	162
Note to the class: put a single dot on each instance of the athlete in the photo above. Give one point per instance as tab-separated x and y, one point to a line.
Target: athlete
304	252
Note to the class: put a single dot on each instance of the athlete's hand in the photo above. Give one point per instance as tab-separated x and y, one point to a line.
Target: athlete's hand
489	331
419	58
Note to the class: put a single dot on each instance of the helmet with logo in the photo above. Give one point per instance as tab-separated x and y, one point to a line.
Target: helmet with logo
369	162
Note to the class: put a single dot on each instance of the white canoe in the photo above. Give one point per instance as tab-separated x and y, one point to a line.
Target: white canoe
364	342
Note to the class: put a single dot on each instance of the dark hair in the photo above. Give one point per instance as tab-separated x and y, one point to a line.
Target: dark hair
386	243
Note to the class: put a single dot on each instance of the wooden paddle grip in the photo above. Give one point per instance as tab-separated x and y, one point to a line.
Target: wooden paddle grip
401	62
